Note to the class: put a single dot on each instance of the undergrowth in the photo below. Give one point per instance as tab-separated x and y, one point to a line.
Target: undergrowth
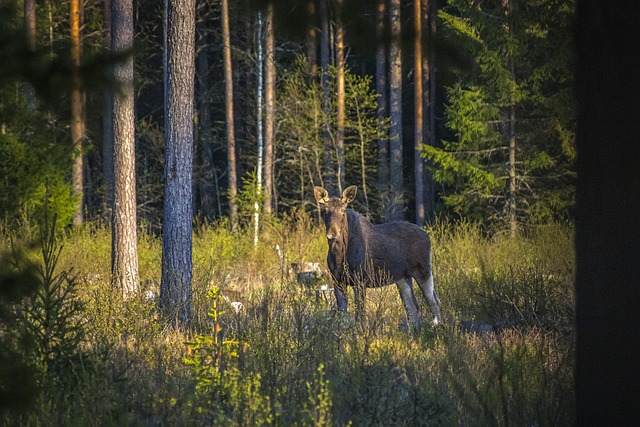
504	355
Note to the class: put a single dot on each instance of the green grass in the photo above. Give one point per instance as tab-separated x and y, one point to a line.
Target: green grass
288	360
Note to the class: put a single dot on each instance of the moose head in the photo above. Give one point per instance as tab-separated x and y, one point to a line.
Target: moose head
335	210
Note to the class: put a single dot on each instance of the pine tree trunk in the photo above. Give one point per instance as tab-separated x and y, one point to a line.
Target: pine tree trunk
231	140
428	98
107	119
395	98
270	111
77	107
205	157
381	89
328	174
312	39
418	111
179	65
30	34
340	97
511	134
124	267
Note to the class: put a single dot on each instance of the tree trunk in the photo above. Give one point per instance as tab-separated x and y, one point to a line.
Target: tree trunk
428	98
270	111
328	175
231	140
312	39
511	133
395	98
259	130
77	112
205	157
179	64
107	119
30	34
418	111
381	89
124	259
340	96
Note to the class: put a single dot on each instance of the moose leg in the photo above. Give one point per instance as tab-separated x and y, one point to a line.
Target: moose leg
359	292
341	299
428	290
408	299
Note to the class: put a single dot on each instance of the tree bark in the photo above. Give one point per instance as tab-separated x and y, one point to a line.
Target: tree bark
511	133
381	89
418	112
328	175
124	260
312	39
270	111
205	157
231	140
259	132
429	92
77	112
340	63
107	119
30	34
395	98
179	65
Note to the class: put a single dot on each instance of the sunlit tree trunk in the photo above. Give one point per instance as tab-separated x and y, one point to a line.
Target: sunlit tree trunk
329	174
124	259
381	89
340	96
179	67
107	117
418	111
30	34
395	98
231	140
270	115
77	112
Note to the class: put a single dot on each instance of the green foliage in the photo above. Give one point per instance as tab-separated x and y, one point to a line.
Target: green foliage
33	166
513	69
224	394
303	127
504	355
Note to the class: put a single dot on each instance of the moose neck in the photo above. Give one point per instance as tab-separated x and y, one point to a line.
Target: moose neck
338	247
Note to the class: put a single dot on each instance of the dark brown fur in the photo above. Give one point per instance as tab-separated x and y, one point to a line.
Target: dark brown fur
364	255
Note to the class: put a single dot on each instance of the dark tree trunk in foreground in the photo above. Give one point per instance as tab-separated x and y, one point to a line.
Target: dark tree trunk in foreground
428	98
329	175
179	64
608	202
312	38
395	101
124	259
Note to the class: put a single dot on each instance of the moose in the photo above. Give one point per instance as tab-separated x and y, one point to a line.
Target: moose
364	255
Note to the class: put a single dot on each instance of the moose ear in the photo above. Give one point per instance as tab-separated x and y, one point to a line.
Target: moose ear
321	195
349	194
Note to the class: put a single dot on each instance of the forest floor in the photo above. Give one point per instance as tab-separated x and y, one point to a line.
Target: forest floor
503	356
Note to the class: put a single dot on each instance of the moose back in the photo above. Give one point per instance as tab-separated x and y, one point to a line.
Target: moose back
364	255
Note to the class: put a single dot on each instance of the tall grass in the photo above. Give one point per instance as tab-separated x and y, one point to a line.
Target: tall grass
504	355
